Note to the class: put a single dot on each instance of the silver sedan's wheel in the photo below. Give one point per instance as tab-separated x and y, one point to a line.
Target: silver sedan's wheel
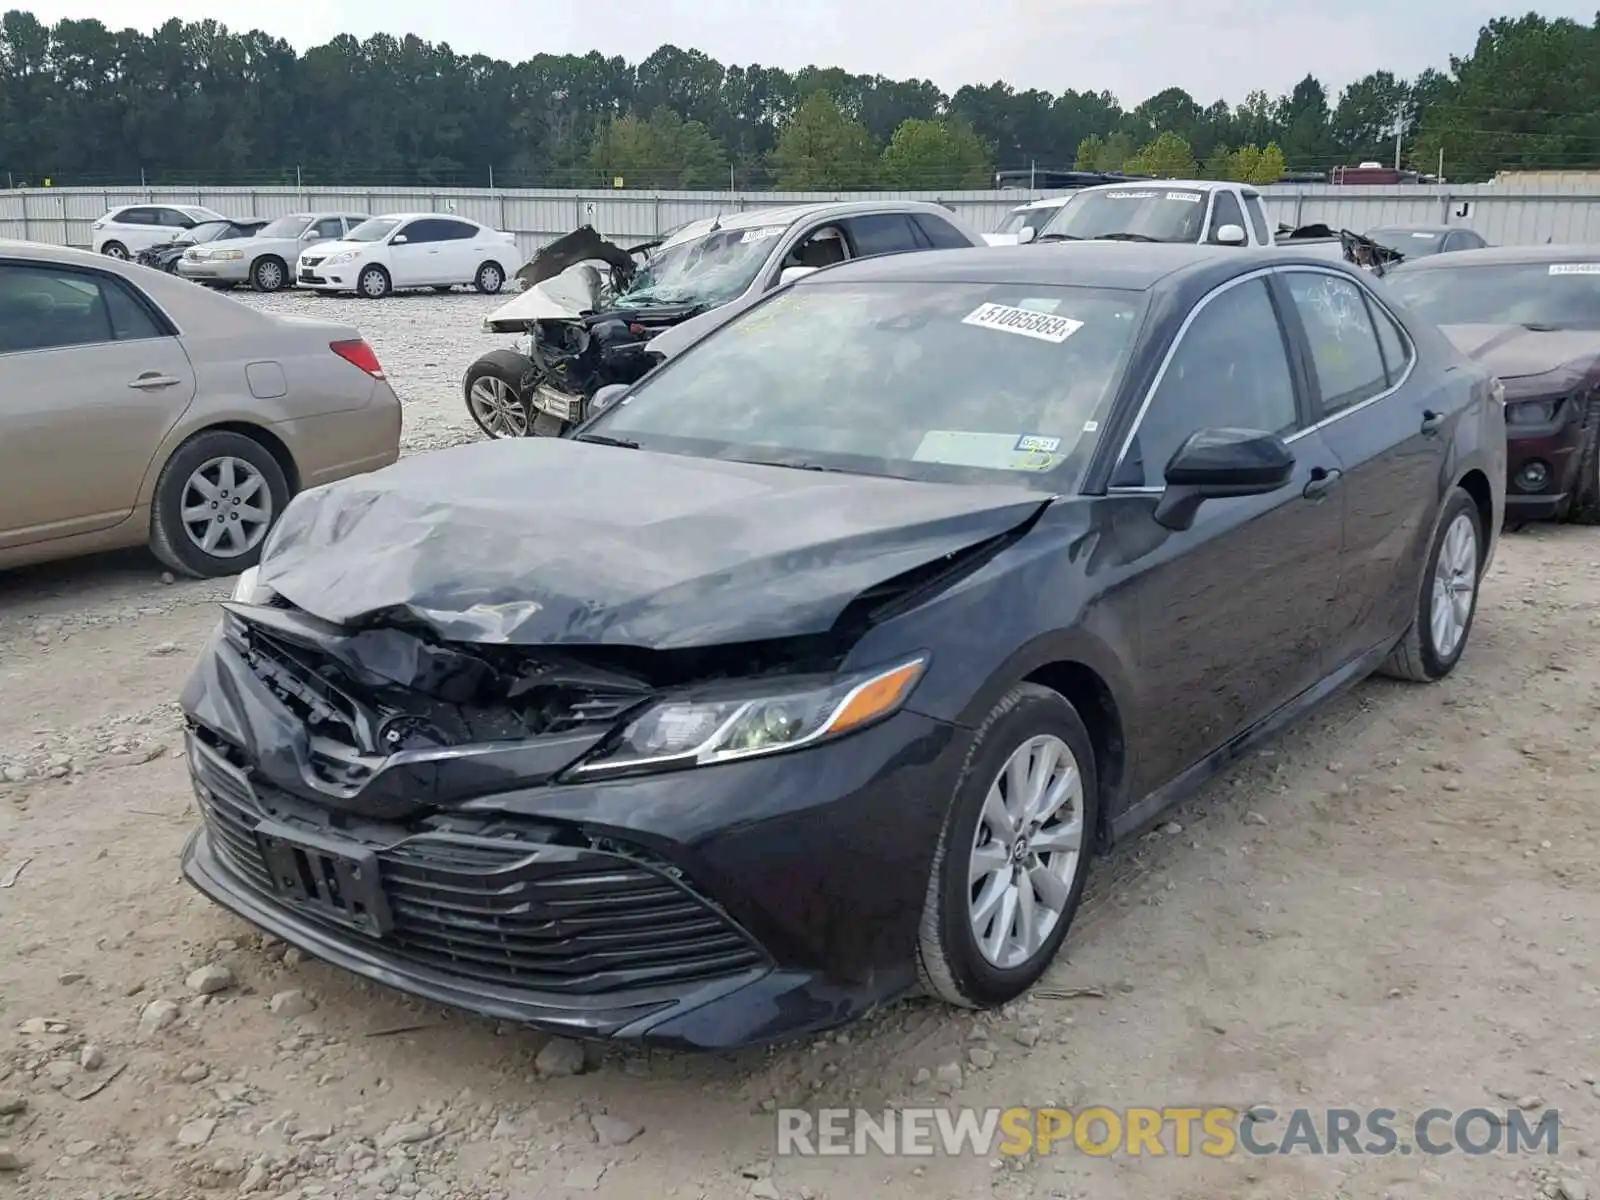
496	408
226	508
1025	851
269	275
1455	585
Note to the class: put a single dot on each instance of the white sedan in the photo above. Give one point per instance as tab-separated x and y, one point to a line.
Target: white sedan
410	250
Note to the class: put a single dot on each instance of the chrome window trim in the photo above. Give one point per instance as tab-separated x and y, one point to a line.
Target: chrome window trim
1194	313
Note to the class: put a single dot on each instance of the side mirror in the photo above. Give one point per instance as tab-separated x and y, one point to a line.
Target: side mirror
1026	234
1215	464
606	396
1231	235
311	235
398	239
790	274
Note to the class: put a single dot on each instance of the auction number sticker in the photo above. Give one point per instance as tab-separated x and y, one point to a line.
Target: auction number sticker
1046	327
1038	442
1575	268
1143	195
1186	197
765	234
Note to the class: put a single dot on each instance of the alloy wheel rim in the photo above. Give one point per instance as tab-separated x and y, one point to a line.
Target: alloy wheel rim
269	275
226	507
496	408
1455	584
116	252
1025	852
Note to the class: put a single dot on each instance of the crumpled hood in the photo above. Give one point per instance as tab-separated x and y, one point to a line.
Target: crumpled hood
1513	351
549	541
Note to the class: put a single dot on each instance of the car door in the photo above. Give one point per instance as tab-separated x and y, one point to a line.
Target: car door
465	246
91	378
415	261
1388	434
1232	613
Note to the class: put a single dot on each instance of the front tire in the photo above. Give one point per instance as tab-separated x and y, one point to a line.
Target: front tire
269	274
115	250
1585	506
1447	599
491	277
215	502
1013	857
493	391
373	283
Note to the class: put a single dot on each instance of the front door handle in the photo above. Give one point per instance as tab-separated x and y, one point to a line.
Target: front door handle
152	380
1322	478
1432	422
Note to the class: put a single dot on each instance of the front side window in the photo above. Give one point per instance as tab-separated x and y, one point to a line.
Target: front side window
328	227
958	382
1230	370
1339	330
46	308
1225	211
1138	214
1545	295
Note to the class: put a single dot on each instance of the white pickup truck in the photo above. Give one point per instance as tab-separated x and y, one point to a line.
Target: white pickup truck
1199	212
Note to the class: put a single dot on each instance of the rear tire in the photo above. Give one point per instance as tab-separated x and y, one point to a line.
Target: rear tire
985	860
1446	602
269	273
491	277
176	534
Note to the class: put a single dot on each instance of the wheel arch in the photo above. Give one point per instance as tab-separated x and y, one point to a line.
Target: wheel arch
268	440
1476	484
1087	691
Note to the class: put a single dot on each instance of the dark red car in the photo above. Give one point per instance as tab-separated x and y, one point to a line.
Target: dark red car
1531	314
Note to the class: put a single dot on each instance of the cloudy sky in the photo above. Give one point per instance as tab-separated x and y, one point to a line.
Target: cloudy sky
1130	47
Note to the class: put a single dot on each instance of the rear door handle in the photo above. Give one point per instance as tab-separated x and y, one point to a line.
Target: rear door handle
151	380
1322	478
1431	422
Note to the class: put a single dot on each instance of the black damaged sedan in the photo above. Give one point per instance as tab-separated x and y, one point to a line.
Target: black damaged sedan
819	664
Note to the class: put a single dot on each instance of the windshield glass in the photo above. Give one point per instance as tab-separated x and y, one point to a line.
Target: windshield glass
1029	218
285	227
1413	243
1141	214
374	230
202	214
1561	295
954	382
209	231
709	270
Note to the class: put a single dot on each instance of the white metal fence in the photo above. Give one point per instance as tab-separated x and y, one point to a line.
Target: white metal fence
1503	215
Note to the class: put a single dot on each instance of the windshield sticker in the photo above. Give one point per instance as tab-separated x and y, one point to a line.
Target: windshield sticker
1044	326
1091	426
765	234
1128	195
988	451
1037	441
1186	197
1575	268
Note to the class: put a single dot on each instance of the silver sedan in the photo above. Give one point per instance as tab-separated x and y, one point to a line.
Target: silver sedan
136	409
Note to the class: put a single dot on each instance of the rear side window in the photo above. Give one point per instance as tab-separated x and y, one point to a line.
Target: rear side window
1395	345
456	231
882	233
47	308
136	216
941	235
1344	345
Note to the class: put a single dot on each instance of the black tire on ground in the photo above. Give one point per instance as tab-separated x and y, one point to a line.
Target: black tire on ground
490	278
373	283
950	964
1416	659
168	541
1585	506
269	273
510	367
115	250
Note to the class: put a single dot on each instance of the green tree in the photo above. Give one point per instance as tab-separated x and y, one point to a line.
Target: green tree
665	151
1219	164
821	149
934	154
1270	165
1168	157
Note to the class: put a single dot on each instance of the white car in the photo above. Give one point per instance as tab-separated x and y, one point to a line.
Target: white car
410	250
125	231
1024	222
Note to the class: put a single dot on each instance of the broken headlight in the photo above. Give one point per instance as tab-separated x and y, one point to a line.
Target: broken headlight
693	732
248	588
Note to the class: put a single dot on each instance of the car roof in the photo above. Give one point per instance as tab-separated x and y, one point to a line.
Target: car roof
1156	185
49	252
762	218
1126	266
1491	256
412	216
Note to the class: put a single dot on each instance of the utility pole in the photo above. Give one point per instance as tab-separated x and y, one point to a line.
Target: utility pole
1399	131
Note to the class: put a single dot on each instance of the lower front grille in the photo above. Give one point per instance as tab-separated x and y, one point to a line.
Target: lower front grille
503	908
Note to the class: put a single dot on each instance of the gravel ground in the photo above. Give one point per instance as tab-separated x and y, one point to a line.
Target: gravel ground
1395	905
